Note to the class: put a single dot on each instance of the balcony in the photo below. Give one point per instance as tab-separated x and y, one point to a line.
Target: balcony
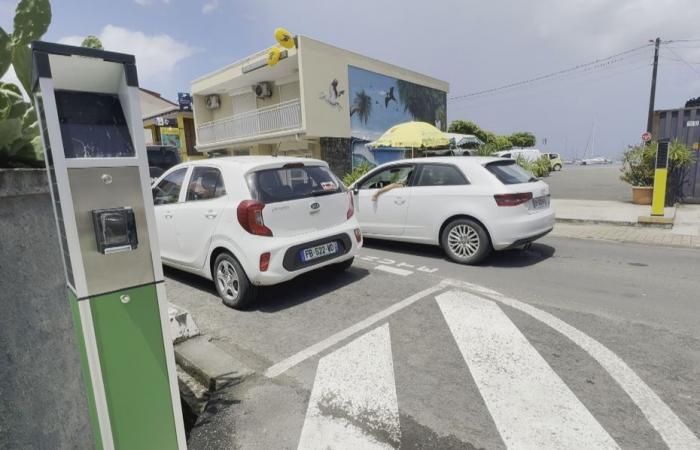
271	120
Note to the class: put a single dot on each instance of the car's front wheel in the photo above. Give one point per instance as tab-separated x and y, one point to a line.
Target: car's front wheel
557	167
465	241
232	283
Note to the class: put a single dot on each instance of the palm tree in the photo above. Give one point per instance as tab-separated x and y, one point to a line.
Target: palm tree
362	105
425	104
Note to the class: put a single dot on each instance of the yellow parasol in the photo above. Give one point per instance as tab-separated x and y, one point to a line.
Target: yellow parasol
412	135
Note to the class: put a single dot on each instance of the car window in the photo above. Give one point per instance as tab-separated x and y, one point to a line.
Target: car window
509	172
553	156
390	175
205	183
168	190
292	183
440	175
505	155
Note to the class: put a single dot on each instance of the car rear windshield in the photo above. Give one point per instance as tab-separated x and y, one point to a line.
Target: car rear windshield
509	172
292	182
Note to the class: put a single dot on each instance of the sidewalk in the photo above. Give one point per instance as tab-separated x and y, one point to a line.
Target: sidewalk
603	211
618	221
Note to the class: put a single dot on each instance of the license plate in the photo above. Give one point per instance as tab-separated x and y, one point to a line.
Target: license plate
319	251
540	202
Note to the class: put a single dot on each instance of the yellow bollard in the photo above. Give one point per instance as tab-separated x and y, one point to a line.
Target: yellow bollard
660	175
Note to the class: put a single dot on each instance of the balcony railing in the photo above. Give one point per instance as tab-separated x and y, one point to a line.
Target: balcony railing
272	119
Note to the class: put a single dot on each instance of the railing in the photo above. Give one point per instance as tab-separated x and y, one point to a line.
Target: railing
271	119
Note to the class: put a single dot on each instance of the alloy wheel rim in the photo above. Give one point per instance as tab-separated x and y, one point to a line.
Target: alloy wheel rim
463	241
227	280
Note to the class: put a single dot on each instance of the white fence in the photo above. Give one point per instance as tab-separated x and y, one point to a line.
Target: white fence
271	119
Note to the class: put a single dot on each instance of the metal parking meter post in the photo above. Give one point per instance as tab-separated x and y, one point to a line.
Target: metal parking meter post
87	101
660	175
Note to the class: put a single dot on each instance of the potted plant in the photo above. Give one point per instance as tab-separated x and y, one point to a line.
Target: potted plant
638	167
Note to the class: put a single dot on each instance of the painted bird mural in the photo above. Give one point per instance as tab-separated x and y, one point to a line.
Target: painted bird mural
333	96
389	97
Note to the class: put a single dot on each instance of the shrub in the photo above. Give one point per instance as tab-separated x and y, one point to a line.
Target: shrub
539	168
20	145
357	173
638	162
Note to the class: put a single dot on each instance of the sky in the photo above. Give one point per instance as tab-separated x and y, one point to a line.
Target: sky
475	46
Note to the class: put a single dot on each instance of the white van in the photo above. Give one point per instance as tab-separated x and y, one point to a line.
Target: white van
531	154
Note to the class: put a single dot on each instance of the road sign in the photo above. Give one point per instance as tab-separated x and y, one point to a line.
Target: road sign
646	137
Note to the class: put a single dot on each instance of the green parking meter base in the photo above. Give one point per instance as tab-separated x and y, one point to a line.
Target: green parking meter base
135	377
89	389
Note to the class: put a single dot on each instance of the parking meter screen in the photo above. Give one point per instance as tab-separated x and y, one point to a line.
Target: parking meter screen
93	125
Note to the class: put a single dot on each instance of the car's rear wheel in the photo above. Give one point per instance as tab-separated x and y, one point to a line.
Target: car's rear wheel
557	167
465	241
232	283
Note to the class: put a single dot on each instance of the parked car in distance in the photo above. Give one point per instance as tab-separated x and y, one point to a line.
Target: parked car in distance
531	154
467	206
249	221
555	161
161	158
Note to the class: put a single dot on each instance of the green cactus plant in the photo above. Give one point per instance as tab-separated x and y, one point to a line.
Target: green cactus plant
20	144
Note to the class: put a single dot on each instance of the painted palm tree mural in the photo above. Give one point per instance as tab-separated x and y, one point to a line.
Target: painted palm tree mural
423	103
362	106
380	102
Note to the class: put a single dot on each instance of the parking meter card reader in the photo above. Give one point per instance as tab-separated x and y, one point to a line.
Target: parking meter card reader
115	230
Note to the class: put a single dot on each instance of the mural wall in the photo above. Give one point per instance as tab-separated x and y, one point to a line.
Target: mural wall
378	102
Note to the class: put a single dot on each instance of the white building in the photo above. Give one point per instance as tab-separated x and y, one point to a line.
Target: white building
318	100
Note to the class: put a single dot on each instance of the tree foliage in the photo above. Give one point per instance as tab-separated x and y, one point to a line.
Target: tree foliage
20	144
539	168
91	41
523	139
492	142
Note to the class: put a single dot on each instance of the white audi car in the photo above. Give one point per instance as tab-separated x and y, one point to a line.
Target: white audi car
250	221
467	205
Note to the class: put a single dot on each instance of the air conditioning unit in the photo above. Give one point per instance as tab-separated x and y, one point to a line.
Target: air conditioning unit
263	89
213	101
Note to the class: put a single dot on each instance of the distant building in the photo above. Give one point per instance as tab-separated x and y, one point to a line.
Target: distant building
682	124
318	100
165	124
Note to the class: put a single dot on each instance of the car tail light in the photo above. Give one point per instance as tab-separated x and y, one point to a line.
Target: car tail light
358	235
351	208
264	261
512	199
250	217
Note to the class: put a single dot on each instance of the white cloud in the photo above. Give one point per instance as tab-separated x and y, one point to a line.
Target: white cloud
150	2
210	6
156	55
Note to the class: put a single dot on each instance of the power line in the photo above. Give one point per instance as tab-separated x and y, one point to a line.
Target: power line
684	61
598	62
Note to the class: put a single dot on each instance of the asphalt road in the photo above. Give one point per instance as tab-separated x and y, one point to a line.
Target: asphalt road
571	344
589	183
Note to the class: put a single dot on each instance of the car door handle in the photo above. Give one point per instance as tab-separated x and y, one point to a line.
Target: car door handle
168	215
399	201
210	215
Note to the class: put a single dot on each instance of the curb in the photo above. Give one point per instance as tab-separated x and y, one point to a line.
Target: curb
209	365
597	222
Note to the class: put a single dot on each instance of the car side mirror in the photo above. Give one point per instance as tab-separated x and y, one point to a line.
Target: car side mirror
355	190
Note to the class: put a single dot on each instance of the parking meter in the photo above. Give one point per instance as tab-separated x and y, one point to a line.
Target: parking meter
658	200
87	102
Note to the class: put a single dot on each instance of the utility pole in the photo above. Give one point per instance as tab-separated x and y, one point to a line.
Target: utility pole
650	118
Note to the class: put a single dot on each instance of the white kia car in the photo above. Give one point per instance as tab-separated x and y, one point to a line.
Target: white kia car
250	221
468	206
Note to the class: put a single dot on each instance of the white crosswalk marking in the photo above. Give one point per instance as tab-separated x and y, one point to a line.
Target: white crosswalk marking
530	405
353	403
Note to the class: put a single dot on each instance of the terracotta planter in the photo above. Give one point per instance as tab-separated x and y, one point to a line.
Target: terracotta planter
641	195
